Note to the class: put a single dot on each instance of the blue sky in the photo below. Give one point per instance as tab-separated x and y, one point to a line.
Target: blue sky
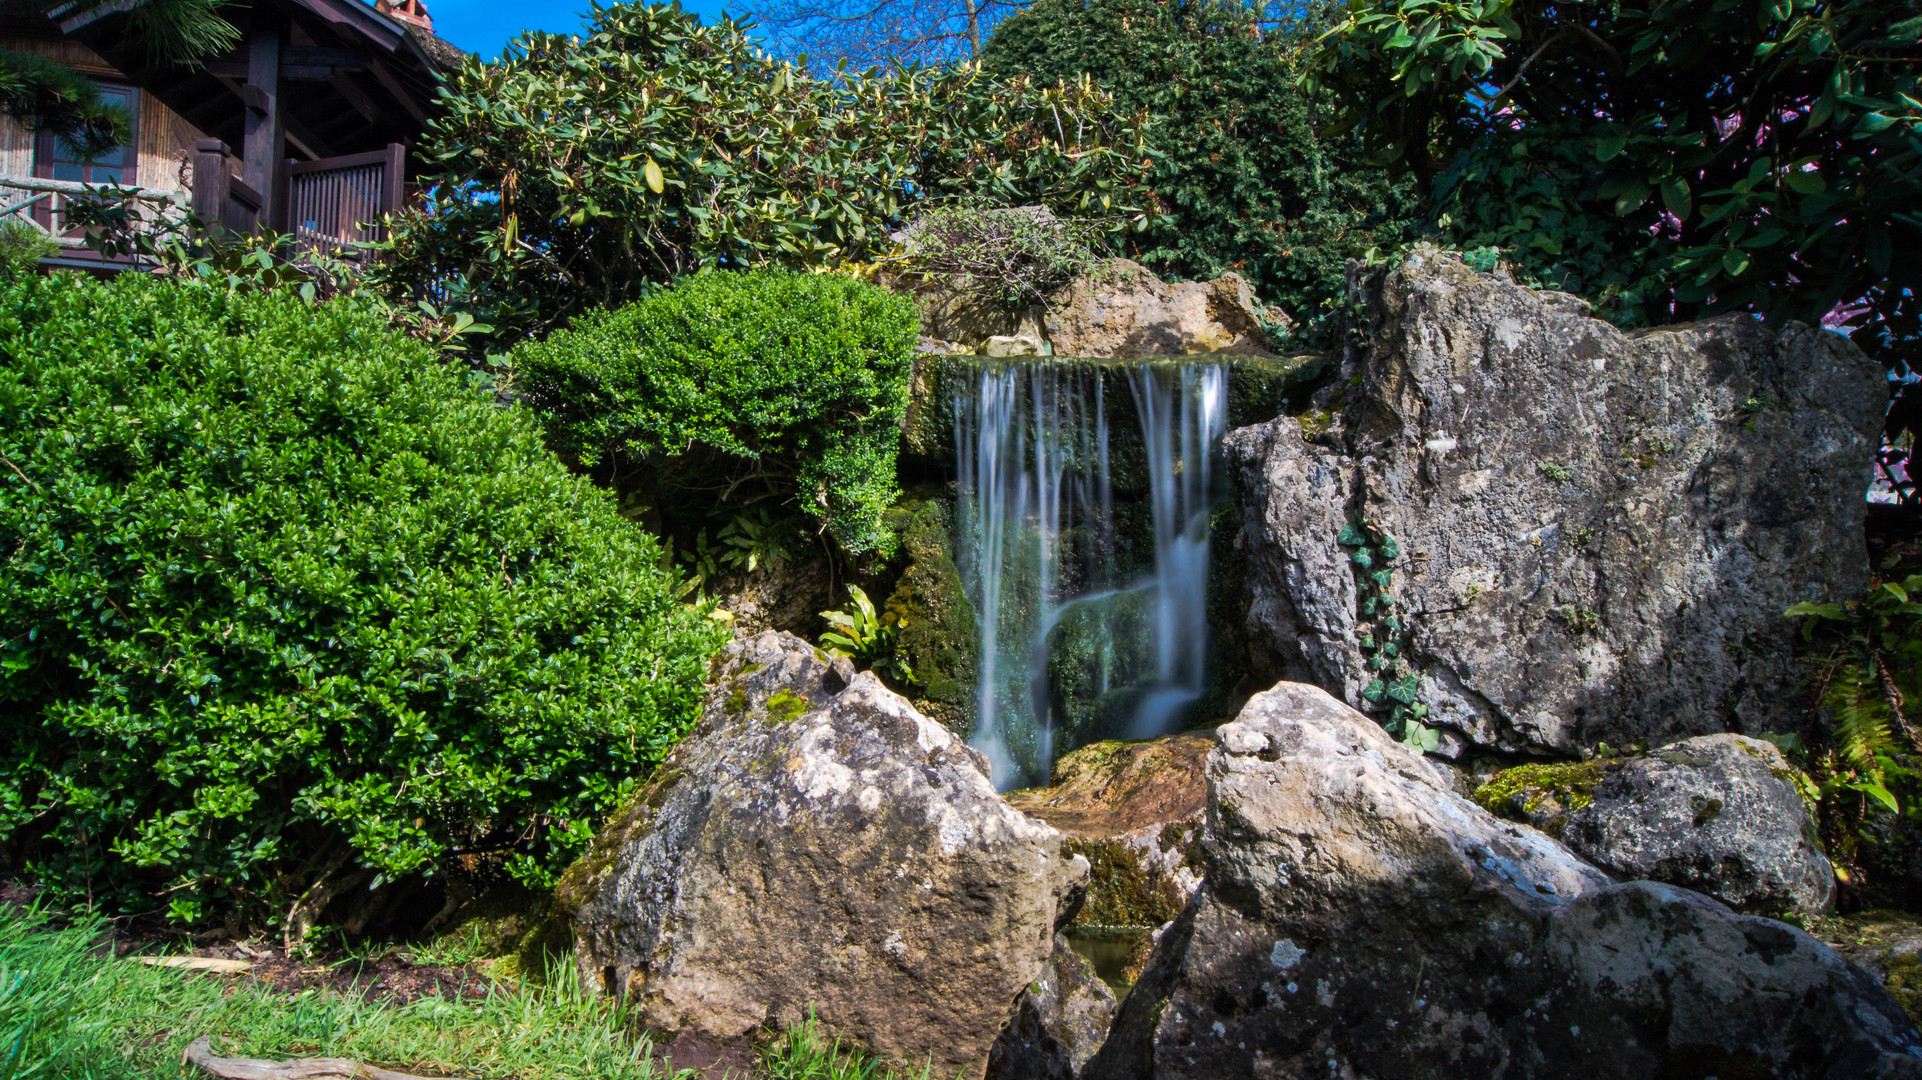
484	26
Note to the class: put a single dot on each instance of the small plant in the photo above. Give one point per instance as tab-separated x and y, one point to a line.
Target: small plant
1581	536
1384	638
754	539
1579	620
862	635
803	1052
1558	473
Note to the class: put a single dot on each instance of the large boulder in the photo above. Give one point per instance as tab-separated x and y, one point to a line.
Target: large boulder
1059	1022
818	845
1122	312
1361	919
1718	814
1599	530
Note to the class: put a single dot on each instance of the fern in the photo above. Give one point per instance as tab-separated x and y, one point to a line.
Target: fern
1860	729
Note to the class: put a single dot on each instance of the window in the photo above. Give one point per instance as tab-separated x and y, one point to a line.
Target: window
53	159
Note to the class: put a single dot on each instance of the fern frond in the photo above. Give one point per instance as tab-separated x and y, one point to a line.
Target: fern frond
1861	717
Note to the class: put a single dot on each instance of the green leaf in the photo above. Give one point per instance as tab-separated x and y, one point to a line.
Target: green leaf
1675	196
1352	535
1375	692
1878	792
1734	261
651	172
1820	611
1389	549
1806	183
1610	146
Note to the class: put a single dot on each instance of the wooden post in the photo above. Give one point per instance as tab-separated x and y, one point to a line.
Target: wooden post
211	178
264	142
395	176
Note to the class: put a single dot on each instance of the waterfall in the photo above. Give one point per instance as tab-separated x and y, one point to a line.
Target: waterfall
1084	632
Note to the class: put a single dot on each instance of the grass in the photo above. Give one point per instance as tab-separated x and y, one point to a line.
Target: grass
804	1052
68	1011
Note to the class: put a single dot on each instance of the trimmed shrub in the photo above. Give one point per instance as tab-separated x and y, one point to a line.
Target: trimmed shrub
284	607
768	381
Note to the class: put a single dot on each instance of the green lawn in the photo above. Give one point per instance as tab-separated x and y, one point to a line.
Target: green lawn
68	1011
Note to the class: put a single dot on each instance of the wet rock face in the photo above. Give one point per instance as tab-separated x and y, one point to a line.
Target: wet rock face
1361	919
816	843
1600	531
1718	814
1134	809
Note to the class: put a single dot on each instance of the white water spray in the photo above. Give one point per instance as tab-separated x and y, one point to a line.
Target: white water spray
1039	551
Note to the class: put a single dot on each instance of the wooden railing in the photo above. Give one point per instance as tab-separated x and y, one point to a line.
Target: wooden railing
337	203
44	200
329	206
219	195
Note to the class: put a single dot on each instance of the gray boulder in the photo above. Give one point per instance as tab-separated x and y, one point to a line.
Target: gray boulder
1600	531
818	844
1059	1022
1718	814
1360	919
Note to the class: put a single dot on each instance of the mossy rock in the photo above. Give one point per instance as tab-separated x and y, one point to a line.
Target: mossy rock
1122	890
937	623
1542	795
1886	943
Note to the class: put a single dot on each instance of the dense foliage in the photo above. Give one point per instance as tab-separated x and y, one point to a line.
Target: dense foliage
733	387
284	606
1668	160
579	170
1015	255
1861	745
1243	178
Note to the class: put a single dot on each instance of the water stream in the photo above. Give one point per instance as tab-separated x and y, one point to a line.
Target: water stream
1092	625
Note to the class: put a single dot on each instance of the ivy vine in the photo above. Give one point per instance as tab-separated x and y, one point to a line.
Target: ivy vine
1383	635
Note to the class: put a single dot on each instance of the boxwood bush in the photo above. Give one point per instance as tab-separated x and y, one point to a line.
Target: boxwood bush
286	608
770	381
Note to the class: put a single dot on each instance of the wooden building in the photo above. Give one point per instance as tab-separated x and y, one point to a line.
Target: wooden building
303	129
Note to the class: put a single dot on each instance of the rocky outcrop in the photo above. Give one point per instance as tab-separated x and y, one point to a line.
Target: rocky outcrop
1058	1024
1134	809
1718	814
1121	311
1599	531
818	845
1359	918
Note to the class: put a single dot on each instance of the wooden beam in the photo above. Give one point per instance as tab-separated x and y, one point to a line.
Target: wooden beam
360	101
303	139
262	139
386	79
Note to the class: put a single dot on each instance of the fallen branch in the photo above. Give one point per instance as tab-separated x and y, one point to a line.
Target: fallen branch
200	1053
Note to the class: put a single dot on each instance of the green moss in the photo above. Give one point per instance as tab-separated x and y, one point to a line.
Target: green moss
784	706
737	701
1572	784
1121	890
937	623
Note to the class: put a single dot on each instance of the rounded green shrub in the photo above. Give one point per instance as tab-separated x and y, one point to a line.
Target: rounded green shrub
285	605
768	377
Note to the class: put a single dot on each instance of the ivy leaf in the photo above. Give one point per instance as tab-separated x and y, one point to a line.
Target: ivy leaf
1389	549
1363	558
1375	692
1351	536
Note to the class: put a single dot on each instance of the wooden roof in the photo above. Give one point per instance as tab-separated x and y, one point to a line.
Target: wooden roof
352	79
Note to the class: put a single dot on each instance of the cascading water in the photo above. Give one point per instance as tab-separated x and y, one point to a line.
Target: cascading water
1086	629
